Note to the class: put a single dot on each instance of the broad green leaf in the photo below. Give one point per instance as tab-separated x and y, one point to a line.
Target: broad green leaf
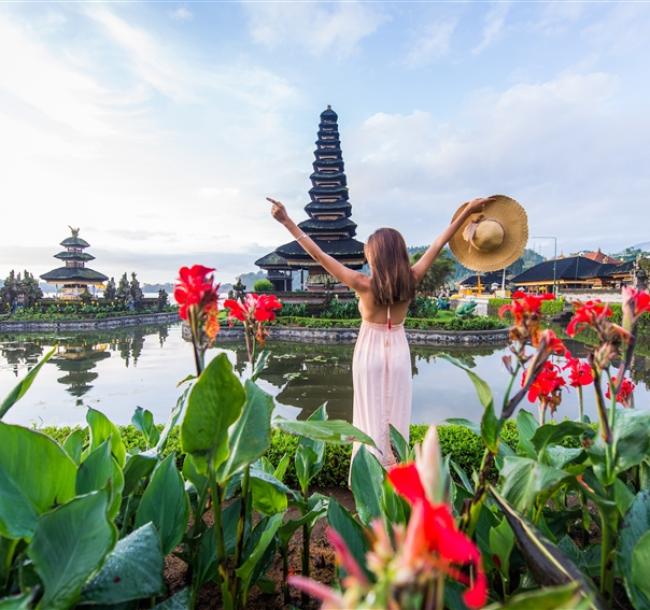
74	444
310	453
69	545
97	471
260	364
17	602
350	530
137	468
215	402
101	429
631	438
332	431
165	504
634	529
547	564
317	507
526	427
250	436
133	570
36	473
490	424
623	496
172	420
179	601
560	457
502	541
399	444
143	420
524	479
23	385
567	597
367	480
641	565
267	498
551	434
245	571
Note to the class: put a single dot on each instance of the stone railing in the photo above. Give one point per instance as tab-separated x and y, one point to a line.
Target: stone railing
88	324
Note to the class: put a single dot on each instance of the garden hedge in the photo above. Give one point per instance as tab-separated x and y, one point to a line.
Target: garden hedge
549	308
464	447
450	323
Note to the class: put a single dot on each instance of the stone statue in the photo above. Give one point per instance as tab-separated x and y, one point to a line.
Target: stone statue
75	232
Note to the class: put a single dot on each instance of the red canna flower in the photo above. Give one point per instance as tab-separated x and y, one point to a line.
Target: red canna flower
266	306
546	387
625	393
580	372
587	314
255	308
635	304
552	343
195	288
440	535
524	304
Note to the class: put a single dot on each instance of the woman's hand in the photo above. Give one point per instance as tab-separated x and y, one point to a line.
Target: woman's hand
477	205
278	211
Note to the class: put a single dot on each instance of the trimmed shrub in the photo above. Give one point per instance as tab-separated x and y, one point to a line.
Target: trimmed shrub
263	286
447	323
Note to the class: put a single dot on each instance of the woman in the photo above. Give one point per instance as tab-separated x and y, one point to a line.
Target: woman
381	366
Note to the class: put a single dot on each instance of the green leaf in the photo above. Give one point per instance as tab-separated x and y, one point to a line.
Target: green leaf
36	474
367	480
641	565
267	498
623	496
69	545
334	431
17	602
350	530
261	363
101	429
133	570
502	541
560	457
465	423
165	504
526	427
97	471
547	564
633	531
245	571
250	436
310	452
399	444
172	420
74	443
566	597
631	438
23	385
490	424
179	601
214	404
550	434
524	479
143	420
138	467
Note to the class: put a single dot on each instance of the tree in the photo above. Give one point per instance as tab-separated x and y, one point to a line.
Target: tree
110	290
135	292
122	292
263	286
163	299
8	292
437	275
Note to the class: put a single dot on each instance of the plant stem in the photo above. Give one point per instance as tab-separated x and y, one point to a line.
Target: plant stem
306	536
581	404
609	527
222	573
285	575
241	527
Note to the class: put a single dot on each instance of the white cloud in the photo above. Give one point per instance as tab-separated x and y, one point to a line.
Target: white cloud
319	27
433	43
182	13
561	147
495	21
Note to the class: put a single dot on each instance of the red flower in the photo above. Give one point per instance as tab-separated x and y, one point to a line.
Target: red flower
440	534
625	392
195	288
635	304
266	306
587	314
546	386
255	308
524	304
580	372
553	344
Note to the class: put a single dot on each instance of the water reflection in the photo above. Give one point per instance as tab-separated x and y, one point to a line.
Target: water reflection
118	370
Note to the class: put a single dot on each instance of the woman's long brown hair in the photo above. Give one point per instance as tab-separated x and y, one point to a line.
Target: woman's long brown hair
392	280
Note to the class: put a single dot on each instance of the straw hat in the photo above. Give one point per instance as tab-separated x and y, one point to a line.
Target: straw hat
492	239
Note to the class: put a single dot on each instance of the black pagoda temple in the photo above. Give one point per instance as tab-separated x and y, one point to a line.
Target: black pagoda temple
329	223
74	278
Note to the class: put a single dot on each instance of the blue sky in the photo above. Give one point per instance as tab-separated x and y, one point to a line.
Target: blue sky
160	127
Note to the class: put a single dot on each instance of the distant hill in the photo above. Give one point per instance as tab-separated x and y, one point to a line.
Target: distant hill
167	287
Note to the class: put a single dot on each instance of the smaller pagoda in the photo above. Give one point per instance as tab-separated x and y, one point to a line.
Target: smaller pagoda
74	278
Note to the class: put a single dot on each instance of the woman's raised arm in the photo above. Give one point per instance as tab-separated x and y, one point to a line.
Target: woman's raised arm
353	279
421	267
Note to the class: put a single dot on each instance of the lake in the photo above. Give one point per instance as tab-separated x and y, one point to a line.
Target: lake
115	371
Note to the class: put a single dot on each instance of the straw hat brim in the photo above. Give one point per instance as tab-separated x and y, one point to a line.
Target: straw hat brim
513	219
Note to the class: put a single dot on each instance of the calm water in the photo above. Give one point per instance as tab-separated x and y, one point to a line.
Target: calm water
115	371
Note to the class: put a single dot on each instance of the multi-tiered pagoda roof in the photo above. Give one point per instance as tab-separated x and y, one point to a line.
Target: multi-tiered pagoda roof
329	209
74	277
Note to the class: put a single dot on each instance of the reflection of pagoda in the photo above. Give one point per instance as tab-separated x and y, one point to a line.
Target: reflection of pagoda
329	221
78	361
73	279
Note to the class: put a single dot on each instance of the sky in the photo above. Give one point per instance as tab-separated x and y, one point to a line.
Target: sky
160	127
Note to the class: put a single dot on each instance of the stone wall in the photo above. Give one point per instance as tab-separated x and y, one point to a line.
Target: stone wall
349	335
90	324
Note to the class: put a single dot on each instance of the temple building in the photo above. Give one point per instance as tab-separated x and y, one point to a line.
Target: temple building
329	223
74	278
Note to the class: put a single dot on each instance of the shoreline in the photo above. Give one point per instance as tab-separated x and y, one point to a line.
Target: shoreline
89	324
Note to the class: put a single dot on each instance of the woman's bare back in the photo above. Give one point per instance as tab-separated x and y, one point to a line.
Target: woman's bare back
378	314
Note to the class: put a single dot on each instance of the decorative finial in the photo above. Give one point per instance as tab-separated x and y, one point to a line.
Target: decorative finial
329	107
75	232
